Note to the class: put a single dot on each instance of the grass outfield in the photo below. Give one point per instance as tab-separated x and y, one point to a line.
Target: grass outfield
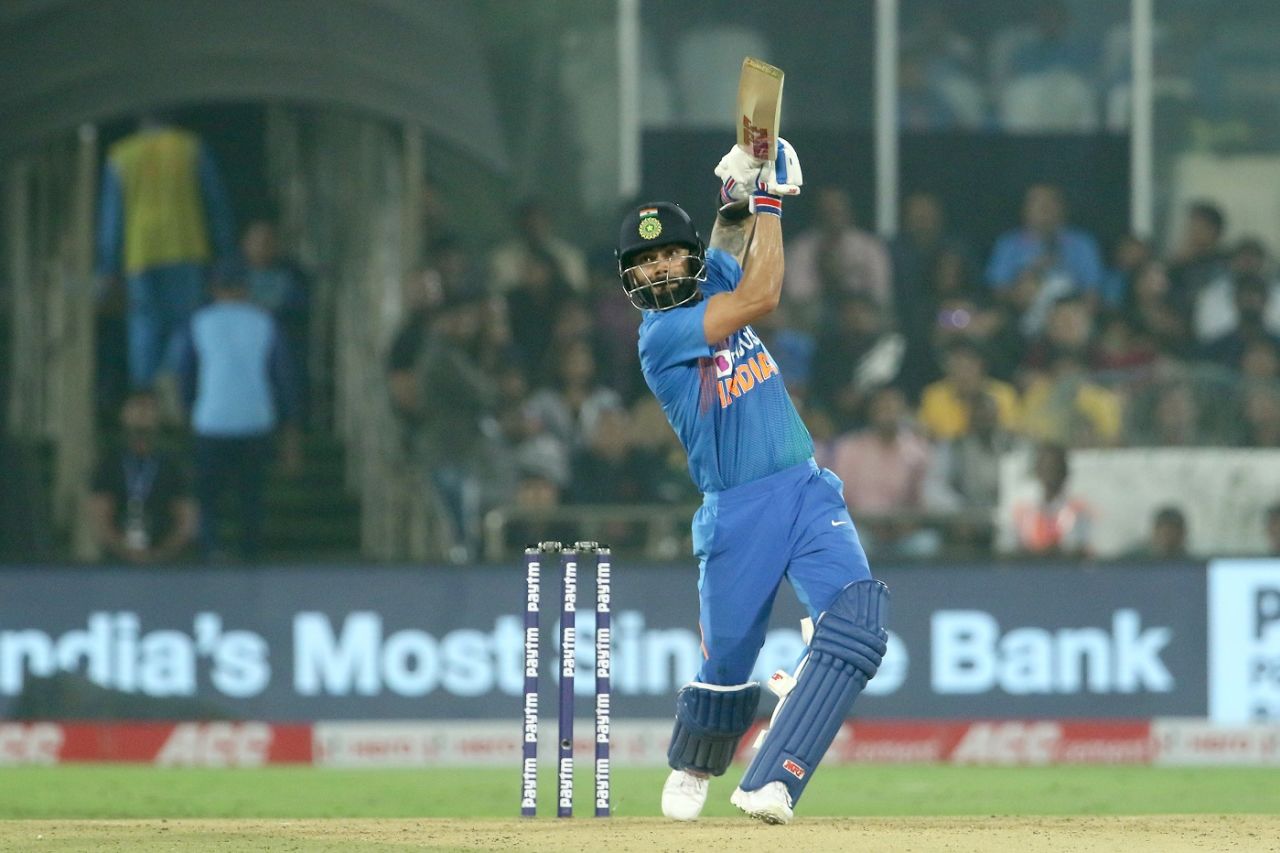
887	809
114	791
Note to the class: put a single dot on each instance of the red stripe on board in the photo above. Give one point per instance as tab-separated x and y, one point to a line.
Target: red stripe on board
212	744
987	742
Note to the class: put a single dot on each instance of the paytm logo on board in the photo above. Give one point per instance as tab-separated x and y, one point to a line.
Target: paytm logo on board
1244	641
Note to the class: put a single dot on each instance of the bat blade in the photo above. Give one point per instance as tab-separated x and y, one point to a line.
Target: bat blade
759	107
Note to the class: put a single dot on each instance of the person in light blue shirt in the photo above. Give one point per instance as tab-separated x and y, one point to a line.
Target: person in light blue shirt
1044	260
768	512
239	384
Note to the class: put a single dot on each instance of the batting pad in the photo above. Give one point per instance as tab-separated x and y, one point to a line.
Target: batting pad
710	720
848	645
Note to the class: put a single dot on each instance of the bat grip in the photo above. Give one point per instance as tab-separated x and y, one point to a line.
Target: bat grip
734	211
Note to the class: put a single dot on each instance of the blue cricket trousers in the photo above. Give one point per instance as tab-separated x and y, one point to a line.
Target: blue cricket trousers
791	524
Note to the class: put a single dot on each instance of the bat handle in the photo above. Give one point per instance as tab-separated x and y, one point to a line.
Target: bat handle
734	211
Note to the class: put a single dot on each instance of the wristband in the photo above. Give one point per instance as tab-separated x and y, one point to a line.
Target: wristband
765	203
726	191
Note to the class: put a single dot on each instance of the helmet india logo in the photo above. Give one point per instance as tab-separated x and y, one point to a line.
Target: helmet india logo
650	226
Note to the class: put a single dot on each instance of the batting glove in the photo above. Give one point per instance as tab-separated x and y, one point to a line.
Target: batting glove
739	175
782	177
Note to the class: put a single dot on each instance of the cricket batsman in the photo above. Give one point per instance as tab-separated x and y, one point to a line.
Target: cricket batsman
768	511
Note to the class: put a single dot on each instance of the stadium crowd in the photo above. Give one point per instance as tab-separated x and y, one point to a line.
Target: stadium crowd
917	363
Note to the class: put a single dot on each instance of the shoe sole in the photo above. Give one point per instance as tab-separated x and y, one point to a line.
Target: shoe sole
769	816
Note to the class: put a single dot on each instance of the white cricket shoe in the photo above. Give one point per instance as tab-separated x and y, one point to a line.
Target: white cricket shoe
684	794
771	804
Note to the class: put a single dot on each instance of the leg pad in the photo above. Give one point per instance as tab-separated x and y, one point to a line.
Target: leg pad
710	720
848	645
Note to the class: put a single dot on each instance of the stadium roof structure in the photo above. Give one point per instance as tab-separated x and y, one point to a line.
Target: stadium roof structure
67	62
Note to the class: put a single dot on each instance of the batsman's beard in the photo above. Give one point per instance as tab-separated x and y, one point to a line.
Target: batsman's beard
652	286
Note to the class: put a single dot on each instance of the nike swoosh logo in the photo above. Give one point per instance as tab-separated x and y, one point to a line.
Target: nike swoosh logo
838	523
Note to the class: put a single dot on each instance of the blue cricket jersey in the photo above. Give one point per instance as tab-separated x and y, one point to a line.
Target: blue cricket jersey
726	401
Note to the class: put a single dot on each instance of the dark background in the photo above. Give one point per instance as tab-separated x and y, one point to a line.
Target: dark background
980	177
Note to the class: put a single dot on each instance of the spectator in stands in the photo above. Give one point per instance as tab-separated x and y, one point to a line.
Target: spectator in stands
1260	361
966	469
1052	521
515	440
1129	254
535	237
445	268
1049	86
141	504
1053	45
534	304
164	216
614	318
574	401
1044	260
883	468
856	354
832	257
1168	539
964	475
653	435
1199	257
239	385
427	297
1119	346
279	284
1271	524
1152	313
962	309
608	468
1215	311
494	346
444	396
946	64
1061	404
1068	329
922	105
822	429
537	497
1175	418
944	407
916	253
793	349
276	282
576	323
1262	416
1228	350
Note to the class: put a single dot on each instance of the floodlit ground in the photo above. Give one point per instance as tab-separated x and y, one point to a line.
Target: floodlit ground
852	808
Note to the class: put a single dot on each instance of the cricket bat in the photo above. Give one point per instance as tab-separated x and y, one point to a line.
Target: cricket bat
759	107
